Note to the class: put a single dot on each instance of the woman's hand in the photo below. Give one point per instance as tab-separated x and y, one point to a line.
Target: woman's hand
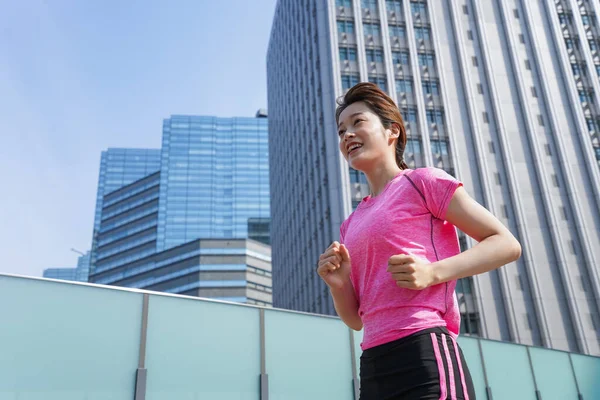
334	266
411	272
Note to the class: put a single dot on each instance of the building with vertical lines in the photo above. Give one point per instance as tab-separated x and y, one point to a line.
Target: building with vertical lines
503	94
198	224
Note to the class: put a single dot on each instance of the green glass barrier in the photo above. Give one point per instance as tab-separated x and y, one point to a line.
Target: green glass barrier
470	348
508	371
587	371
307	357
60	341
553	374
202	350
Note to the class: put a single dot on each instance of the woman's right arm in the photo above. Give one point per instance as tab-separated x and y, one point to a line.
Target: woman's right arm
334	268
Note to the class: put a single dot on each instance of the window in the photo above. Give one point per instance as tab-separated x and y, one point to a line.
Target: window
492	147
465	9
394	6
404	86
527	65
379	81
370	4
372	29
573	247
413	146
479	88
497	178
348	53
470	34
586	96
423	33
555	180
593	322
374	55
343	3
564	18
418	7
548	150
431	87
516	13
439	147
540	119
345	27
563	211
475	62
349	80
426	59
409	115
435	116
533	91
578	70
521	38
590	124
398	31
400	57
598	69
572	43
585	19
593	44
519	280
486	117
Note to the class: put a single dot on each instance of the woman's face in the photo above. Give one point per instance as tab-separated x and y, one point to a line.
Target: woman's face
364	141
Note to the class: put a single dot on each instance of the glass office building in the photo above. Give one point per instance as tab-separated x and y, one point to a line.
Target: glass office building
214	178
503	94
79	274
123	344
201	224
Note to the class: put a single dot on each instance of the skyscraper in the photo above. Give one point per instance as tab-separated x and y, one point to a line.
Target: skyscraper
214	178
79	274
200	224
501	94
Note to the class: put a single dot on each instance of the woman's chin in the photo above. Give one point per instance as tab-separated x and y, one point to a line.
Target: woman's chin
359	163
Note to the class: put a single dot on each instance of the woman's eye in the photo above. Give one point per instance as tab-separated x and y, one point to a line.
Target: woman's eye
357	121
340	133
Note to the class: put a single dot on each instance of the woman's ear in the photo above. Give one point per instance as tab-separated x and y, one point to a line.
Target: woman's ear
394	131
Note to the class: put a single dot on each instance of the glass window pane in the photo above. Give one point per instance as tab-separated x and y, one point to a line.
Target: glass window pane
98	350
552	373
181	329
587	371
470	348
303	354
507	367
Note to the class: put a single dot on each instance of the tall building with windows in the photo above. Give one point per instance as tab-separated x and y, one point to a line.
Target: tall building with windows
79	274
199	225
502	94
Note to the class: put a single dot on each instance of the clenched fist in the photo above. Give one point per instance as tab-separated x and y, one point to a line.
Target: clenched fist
410	272
334	266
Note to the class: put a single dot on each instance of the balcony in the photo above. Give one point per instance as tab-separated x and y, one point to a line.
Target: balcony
70	341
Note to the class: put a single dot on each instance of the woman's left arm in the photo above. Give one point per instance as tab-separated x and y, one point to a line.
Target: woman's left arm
496	247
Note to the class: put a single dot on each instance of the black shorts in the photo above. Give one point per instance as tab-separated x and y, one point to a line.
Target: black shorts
426	365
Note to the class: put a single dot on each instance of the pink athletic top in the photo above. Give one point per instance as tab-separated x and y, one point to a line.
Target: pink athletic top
407	217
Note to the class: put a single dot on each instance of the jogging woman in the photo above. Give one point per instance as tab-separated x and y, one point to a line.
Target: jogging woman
395	268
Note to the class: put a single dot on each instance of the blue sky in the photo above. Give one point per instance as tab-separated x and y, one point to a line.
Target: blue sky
77	77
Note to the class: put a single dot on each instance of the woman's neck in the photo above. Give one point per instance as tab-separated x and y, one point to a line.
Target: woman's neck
380	177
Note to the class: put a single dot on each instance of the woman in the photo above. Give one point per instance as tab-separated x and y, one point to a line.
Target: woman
395	270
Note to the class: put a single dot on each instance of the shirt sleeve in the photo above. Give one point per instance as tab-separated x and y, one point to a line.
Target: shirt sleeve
437	188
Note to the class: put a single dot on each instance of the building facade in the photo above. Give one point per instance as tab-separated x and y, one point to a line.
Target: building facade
79	274
214	178
199	225
502	94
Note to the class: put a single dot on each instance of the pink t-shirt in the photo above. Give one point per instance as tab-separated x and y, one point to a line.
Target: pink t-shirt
402	220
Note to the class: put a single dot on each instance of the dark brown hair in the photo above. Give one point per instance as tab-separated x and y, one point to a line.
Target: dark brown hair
382	105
